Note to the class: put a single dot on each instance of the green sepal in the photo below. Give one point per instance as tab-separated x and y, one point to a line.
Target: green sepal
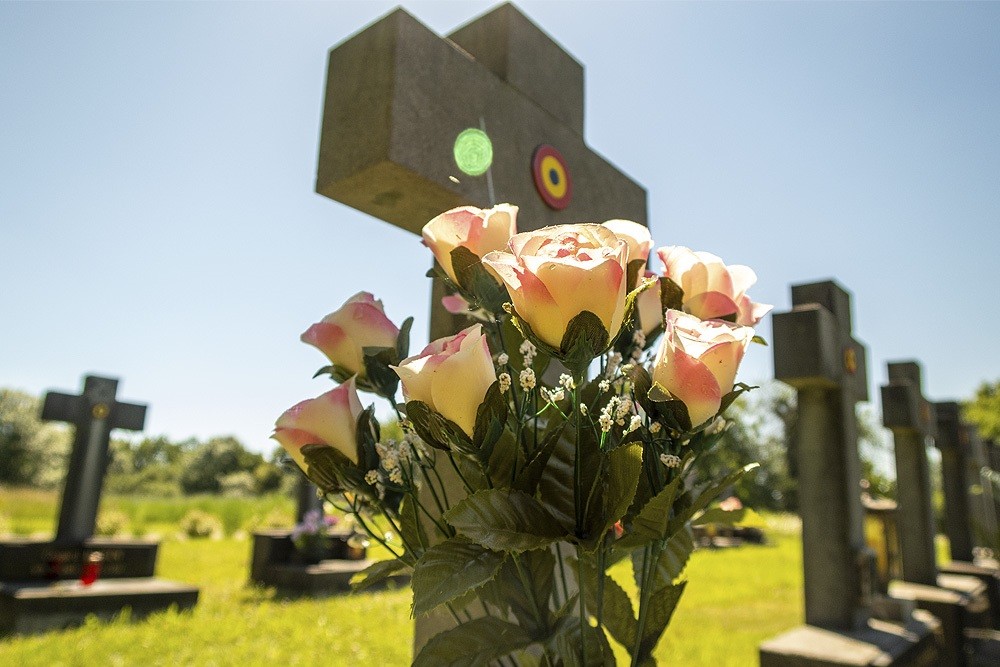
476	281
449	569
634	270
671	295
337	373
759	340
642	382
437	431
331	471
378	573
379	378
367	434
403	340
491	418
505	520
670	411
585	339
476	643
738	389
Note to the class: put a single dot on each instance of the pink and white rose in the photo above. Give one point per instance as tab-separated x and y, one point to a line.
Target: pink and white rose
635	235
343	334
697	361
479	230
451	375
649	307
330	419
712	289
554	274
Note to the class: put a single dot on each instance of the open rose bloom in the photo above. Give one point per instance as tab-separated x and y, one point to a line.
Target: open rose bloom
712	289
500	481
554	274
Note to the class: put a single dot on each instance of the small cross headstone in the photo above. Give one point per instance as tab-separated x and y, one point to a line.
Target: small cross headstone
985	507
93	413
815	353
953	441
912	420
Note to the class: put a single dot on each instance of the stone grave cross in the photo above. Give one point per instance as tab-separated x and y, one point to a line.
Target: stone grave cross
415	124
93	413
954	443
815	353
911	418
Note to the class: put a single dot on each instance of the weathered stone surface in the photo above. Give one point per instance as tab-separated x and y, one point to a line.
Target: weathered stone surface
32	560
956	466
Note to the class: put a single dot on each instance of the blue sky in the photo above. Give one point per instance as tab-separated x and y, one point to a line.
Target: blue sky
158	220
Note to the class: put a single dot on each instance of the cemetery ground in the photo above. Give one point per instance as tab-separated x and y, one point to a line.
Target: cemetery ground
737	598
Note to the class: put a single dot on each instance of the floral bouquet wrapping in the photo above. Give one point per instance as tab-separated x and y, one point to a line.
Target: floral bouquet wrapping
541	445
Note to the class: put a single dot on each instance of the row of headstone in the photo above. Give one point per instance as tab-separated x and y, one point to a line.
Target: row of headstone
49	584
853	614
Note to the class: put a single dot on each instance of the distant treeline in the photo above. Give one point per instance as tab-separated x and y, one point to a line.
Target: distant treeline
35	453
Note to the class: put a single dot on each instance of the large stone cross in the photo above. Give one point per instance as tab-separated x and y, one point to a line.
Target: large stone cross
815	353
415	124
93	413
957	471
912	420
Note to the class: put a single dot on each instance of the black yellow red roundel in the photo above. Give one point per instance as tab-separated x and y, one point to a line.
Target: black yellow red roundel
551	176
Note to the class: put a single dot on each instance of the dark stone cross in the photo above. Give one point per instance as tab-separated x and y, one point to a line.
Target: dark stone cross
956	463
912	420
815	353
93	413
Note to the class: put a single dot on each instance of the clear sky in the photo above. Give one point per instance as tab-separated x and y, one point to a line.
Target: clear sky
158	221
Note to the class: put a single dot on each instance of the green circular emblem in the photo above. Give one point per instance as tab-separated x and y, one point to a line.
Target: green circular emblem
473	152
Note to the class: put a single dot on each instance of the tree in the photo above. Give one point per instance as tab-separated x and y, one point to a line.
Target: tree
984	411
32	452
209	464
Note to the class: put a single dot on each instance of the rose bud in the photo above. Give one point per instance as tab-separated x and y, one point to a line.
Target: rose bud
330	419
451	376
697	361
649	308
479	230
343	335
712	289
635	235
554	274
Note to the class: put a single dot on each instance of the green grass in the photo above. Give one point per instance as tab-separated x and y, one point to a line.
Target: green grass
736	598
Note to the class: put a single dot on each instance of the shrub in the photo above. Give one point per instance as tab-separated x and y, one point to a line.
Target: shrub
111	523
199	524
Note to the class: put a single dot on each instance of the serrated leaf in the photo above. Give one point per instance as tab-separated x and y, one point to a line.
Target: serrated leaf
503	458
720	516
670	561
377	573
491	418
504	520
580	646
662	604
556	487
618	614
624	464
414	535
529	476
653	520
709	494
584	339
475	643
449	569
437	431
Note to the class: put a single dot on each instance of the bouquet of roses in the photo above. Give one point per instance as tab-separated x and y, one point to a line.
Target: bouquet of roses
541	445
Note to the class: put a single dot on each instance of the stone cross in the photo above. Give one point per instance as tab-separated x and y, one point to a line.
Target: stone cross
956	463
93	413
815	353
912	421
415	124
306	499
985	507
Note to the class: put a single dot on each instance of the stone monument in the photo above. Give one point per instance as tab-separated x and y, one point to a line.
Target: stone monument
46	585
815	352
958	601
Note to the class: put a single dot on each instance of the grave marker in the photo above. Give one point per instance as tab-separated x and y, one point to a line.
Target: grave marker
46	585
815	352
953	442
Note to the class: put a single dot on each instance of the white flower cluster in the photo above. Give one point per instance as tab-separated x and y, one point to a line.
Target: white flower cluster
634	423
670	460
553	396
527	378
529	351
566	381
505	381
655	428
614	361
638	343
615	411
503	359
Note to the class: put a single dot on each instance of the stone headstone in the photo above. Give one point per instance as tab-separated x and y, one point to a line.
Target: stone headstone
815	352
43	583
953	442
912	420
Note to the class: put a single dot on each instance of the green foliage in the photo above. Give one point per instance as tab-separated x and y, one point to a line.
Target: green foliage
984	410
32	452
208	464
112	523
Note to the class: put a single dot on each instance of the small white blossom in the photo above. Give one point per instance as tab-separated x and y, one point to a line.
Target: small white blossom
655	427
624	407
557	395
371	477
529	351
639	338
566	380
503	359
508	308
396	476
613	362
717	426
604	385
505	381
670	460
605	422
583	409
527	379
635	423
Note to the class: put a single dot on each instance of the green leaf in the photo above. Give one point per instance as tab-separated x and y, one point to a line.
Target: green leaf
477	284
585	338
578	646
556	487
670	561
728	399
529	476
653	520
331	471
618	614
437	431
403	340
505	520
491	417
378	573
502	460
367	433
672	412
710	494
624	464
759	340
414	535
719	515
662	604
671	295
475	643
449	569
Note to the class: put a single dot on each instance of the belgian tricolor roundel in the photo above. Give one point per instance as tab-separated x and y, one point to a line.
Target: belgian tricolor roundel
552	177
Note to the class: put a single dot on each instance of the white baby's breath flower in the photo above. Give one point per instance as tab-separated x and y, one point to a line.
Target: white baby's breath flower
503	359
396	476
655	427
527	379
566	380
505	381
605	422
557	395
583	409
635	423
371	477
604	385
670	460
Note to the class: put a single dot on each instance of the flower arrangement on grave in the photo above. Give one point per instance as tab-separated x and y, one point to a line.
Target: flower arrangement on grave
542	444
311	537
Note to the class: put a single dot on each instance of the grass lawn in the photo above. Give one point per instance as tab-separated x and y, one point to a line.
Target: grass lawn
736	598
